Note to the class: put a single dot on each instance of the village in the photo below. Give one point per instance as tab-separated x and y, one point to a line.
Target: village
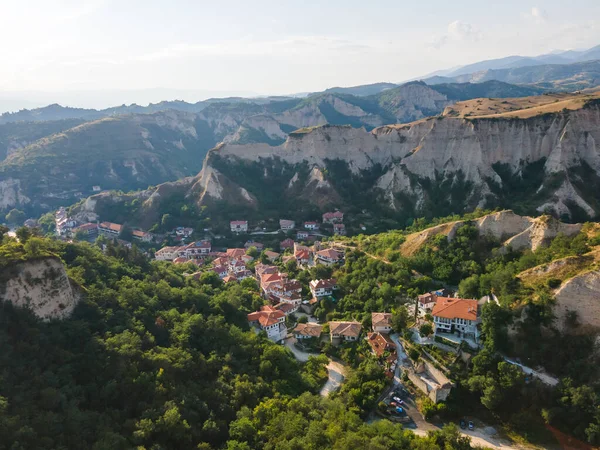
441	330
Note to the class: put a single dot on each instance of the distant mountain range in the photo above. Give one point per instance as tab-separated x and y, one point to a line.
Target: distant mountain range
513	62
557	77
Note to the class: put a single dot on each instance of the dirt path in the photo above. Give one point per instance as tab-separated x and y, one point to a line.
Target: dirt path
378	258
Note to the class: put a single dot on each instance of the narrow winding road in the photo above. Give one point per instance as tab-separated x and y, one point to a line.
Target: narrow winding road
336	370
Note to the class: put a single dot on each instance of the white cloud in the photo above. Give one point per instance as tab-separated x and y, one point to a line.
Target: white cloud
537	15
456	31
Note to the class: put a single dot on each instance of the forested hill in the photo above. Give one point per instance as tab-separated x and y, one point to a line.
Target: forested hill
152	359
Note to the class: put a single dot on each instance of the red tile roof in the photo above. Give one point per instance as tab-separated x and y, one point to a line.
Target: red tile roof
238	222
381	319
308	329
266	316
351	329
235	252
455	308
380	343
111	226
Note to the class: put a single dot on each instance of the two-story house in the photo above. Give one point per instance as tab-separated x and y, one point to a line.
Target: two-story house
456	315
239	226
271	321
381	322
311	225
167	253
109	229
198	249
142	236
328	256
287	225
344	331
308	330
322	288
427	301
339	229
333	217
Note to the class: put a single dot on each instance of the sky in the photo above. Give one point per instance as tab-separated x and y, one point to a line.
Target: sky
98	53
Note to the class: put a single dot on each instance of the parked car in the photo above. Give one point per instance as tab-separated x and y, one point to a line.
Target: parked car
471	425
463	424
398	400
393	404
399	410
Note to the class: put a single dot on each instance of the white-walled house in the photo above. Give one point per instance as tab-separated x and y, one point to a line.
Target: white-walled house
322	288
239	226
344	331
381	322
456	315
271	321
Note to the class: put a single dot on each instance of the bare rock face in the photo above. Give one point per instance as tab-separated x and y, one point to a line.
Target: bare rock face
446	146
41	285
580	294
11	194
514	231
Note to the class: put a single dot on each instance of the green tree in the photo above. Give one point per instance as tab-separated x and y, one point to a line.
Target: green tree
15	217
426	329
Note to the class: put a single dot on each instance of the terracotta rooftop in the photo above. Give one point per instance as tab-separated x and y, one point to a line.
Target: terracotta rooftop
308	329
111	226
381	319
229	278
351	329
329	283
266	316
380	343
329	253
235	252
455	308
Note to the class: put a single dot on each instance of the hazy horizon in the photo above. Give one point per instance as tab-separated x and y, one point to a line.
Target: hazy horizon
101	53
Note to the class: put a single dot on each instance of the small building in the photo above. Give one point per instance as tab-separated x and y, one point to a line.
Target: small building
96	188
329	256
456	315
142	236
380	343
183	232
239	226
339	229
311	226
322	288
271	256
110	229
198	249
30	223
236	253
258	245
229	278
302	235
286	225
302	257
87	229
381	322
344	331
308	330
333	217
271	321
287	308
427	301
286	243
221	271
167	253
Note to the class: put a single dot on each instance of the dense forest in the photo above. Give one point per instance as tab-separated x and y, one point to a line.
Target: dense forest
154	359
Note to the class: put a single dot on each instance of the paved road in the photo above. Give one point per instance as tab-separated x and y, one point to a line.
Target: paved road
337	373
336	370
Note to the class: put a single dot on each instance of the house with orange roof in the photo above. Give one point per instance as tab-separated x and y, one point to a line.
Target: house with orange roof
271	256
308	330
381	322
328	256
142	236
236	252
456	315
344	331
109	229
322	288
271	321
380	343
